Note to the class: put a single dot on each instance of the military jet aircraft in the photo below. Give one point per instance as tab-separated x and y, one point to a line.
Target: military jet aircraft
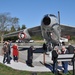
49	28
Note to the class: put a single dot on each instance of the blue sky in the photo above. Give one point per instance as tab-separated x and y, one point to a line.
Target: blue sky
31	12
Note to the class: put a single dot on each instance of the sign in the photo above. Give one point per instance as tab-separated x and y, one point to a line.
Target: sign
65	57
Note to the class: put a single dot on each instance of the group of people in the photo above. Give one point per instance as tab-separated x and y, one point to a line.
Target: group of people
6	50
55	52
64	50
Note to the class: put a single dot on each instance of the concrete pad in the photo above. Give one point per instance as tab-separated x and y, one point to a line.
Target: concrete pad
24	67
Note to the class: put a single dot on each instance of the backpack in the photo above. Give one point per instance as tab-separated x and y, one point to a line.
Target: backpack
4	48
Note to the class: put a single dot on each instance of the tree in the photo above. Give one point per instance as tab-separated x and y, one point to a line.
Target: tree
14	22
13	29
18	28
6	22
23	26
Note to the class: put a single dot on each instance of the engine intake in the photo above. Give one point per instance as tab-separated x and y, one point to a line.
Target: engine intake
46	20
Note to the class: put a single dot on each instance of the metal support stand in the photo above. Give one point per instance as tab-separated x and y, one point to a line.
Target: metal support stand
44	58
74	65
56	73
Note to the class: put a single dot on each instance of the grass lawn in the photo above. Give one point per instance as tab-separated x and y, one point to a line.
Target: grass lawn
4	70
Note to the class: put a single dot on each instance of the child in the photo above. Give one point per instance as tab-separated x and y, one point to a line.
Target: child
15	52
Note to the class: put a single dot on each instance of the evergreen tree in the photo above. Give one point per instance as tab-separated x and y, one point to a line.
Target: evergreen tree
18	28
12	29
23	26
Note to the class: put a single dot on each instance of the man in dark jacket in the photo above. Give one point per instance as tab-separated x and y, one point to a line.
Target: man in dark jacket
44	47
6	53
5	50
70	49
30	56
54	57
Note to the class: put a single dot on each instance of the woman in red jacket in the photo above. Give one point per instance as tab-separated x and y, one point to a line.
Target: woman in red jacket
15	52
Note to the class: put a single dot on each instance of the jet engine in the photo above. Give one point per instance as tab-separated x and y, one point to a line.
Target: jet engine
50	29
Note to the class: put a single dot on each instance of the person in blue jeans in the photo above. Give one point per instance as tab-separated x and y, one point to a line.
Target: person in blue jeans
64	63
65	66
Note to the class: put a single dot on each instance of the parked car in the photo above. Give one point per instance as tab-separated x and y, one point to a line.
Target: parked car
31	41
63	40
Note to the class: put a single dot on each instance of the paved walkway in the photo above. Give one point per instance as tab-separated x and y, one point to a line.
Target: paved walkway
24	67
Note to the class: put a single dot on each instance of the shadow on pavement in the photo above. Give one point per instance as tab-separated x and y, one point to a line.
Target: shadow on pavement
50	66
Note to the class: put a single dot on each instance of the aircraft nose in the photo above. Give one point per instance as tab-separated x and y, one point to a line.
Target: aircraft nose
46	20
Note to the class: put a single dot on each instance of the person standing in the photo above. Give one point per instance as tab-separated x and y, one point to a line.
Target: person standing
44	47
15	52
9	49
70	49
6	53
64	63
54	58
30	56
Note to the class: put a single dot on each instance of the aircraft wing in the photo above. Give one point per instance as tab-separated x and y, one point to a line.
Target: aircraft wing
27	32
35	31
12	34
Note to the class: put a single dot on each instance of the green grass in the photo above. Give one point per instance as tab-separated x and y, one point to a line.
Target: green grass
4	70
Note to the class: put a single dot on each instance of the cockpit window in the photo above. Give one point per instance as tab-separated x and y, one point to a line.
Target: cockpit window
52	15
